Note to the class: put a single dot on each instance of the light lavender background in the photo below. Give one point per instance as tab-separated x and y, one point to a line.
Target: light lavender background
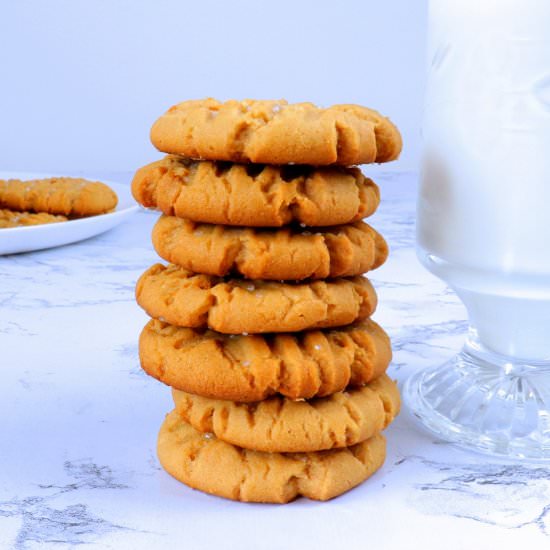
82	81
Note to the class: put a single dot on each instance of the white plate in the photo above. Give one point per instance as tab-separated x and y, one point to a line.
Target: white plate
37	237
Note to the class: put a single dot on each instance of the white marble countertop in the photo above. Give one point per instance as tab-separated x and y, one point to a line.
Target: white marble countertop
79	420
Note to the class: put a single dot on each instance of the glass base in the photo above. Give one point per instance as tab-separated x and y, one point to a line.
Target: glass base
486	402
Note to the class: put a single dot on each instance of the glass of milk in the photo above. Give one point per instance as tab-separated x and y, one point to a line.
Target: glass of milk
484	221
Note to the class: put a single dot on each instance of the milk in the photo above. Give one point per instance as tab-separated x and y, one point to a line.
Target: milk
484	203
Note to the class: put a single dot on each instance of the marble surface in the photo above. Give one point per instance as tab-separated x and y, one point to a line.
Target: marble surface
79	419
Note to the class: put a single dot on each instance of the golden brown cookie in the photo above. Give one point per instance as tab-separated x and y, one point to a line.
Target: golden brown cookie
206	463
277	254
232	306
252	367
275	132
10	218
255	194
67	196
281	425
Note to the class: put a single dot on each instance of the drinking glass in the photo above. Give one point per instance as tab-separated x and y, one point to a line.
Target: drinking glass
483	222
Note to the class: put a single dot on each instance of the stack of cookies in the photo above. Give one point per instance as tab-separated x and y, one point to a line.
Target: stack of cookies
261	320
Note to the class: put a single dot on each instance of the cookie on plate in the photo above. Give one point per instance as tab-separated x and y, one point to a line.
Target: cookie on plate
73	197
290	253
252	367
279	424
275	132
206	463
233	306
255	194
11	218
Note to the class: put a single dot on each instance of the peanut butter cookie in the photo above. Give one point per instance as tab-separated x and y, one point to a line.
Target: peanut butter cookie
248	368
232	306
281	425
10	218
289	253
255	195
206	463
275	132
66	196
